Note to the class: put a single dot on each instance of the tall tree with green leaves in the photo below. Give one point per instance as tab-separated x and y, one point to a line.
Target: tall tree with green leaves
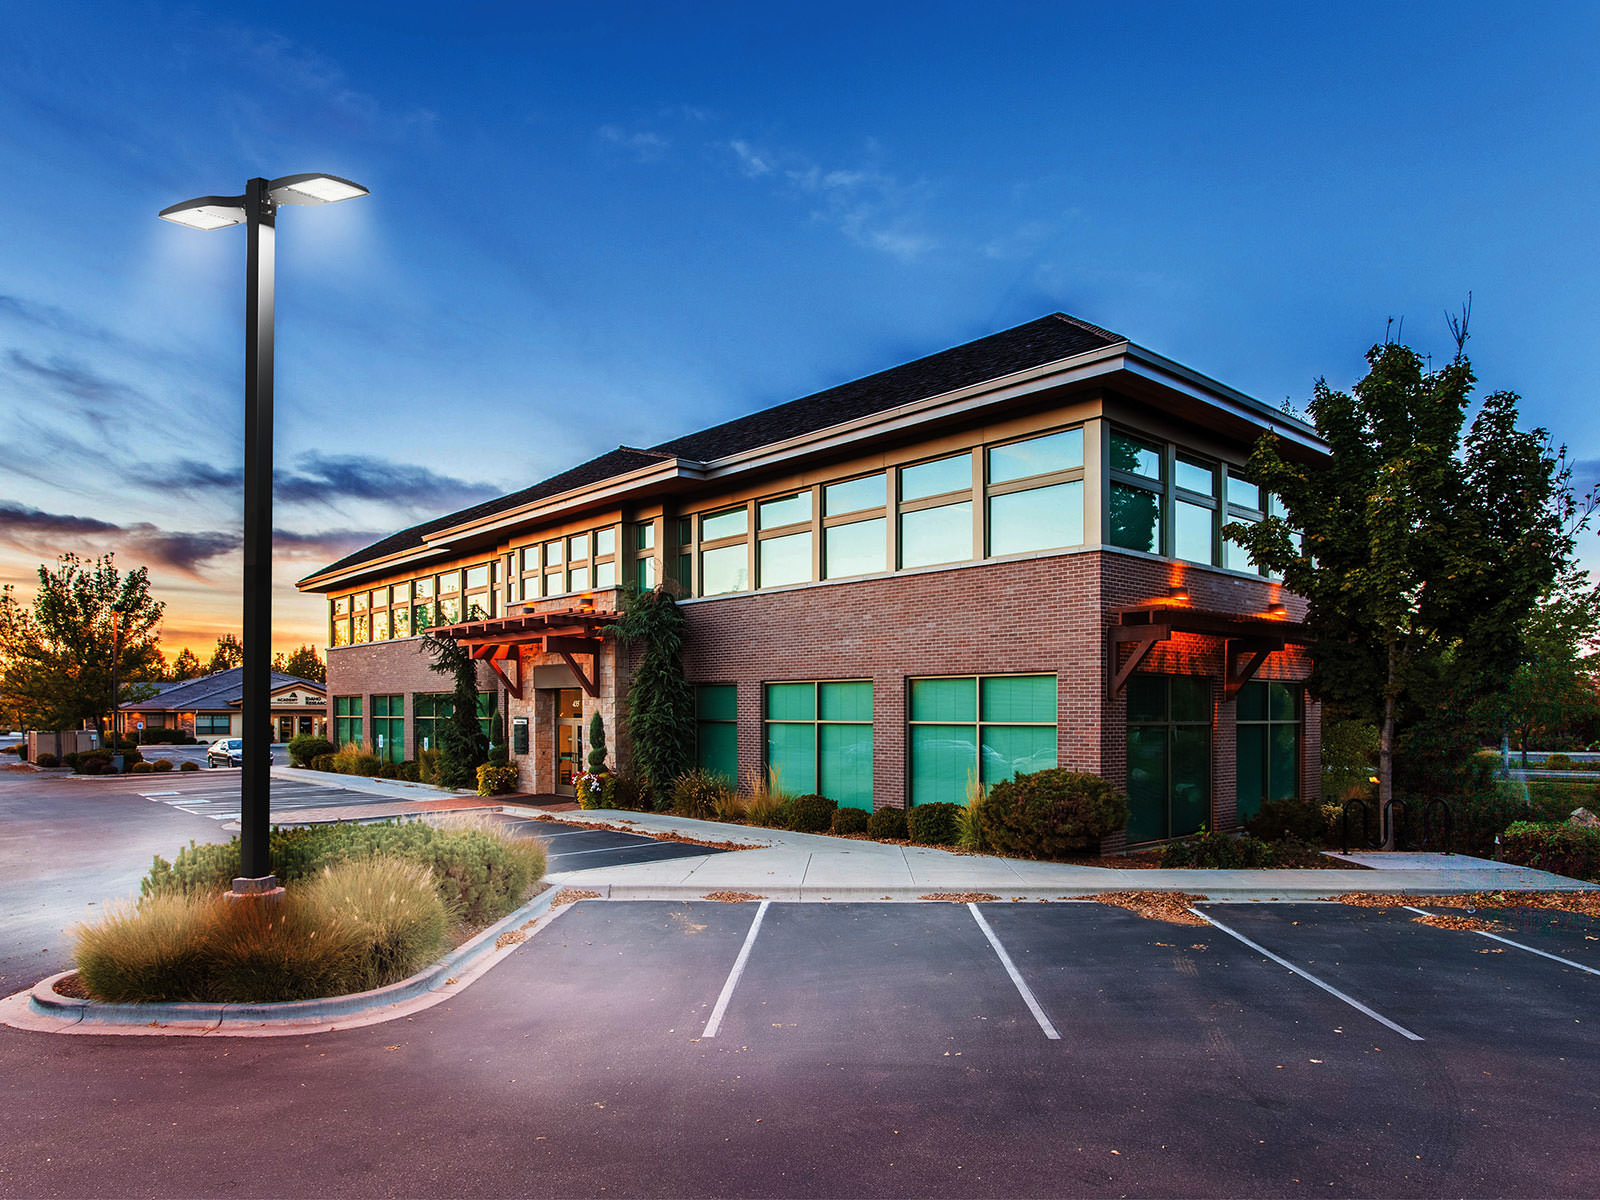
186	666
303	662
1551	697
228	654
1422	544
660	701
463	748
56	654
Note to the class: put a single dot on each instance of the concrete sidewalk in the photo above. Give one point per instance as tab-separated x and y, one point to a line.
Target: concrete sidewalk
799	866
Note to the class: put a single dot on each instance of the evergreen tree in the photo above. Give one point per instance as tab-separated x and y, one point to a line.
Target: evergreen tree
660	701
228	654
462	745
597	745
303	662
186	666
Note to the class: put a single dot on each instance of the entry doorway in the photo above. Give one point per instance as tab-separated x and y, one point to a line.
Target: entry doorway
569	740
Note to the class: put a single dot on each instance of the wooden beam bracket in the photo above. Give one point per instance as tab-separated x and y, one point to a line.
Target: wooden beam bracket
1143	639
1244	657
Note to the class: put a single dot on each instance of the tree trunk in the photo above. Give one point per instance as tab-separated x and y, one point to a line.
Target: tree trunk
1386	754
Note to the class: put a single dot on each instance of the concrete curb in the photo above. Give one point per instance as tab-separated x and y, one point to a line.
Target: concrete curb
44	1001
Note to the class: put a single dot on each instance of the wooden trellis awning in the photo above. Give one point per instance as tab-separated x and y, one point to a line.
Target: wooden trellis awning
564	632
1247	640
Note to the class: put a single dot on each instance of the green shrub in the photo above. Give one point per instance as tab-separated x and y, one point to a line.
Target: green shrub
1554	799
1281	819
141	768
698	793
811	813
934	824
1349	759
496	780
1570	850
627	792
389	770
1479	814
92	763
1050	812
1558	762
887	824
306	747
1482	769
1220	851
161	766
188	766
848	820
47	760
322	762
408	772
357	925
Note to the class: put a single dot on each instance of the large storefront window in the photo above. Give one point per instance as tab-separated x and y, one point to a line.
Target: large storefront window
819	739
347	720
717	730
1169	756
389	728
986	729
1269	745
430	710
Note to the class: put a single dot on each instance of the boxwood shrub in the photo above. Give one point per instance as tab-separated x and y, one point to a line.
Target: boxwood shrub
848	820
1219	851
1570	850
189	766
811	814
934	824
888	824
1050	812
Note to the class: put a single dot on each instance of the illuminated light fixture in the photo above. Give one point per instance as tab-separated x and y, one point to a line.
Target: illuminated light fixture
206	212
1178	591
257	211
1278	609
586	602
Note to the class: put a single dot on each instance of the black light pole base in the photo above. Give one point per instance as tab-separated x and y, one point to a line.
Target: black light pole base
263	888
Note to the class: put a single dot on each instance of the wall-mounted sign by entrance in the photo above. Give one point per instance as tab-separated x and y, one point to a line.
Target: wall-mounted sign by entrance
519	735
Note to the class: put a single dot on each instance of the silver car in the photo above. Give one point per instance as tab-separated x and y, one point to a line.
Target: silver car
225	752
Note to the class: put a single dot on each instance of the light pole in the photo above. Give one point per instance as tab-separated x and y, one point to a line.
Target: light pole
257	211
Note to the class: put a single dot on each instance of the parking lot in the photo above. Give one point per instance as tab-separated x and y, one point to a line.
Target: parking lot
585	849
215	793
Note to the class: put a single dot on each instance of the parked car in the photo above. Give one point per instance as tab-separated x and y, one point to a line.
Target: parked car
225	752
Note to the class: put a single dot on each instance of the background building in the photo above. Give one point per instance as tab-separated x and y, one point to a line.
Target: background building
212	707
1002	557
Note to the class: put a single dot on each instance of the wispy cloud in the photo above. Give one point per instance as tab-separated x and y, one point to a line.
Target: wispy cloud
323	546
72	379
330	478
871	206
645	145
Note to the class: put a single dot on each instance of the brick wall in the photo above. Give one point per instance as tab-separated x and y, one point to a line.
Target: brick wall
384	668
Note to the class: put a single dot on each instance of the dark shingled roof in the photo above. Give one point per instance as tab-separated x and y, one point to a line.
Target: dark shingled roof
1049	339
215	691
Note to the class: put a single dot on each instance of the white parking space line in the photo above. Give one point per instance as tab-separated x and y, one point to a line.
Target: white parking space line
1309	977
1495	937
1016	977
610	850
158	795
715	1023
550	837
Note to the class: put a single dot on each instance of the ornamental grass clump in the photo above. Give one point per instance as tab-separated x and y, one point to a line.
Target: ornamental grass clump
698	794
357	925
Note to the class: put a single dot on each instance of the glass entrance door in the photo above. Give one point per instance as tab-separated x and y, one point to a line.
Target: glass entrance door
569	740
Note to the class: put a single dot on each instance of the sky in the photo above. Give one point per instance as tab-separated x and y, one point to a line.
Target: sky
597	223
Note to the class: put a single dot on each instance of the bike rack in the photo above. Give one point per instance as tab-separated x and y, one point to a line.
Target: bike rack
1366	826
1442	807
1392	822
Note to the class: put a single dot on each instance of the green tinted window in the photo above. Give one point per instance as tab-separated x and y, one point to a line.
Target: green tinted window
1019	699
1169	755
1268	740
1135	455
1135	518
944	699
943	758
792	753
716	729
844	758
1011	750
847	701
1037	519
716	702
791	702
1036	456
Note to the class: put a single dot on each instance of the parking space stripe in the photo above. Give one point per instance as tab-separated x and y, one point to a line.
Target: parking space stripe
1495	937
1309	977
715	1022
1011	969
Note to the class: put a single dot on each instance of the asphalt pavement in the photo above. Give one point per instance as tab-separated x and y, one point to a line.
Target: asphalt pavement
877	1050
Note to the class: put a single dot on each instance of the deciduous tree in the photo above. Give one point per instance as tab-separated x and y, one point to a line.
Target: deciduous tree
228	654
303	661
56	654
186	666
1423	543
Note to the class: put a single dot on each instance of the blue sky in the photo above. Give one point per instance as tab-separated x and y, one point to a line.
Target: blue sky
600	223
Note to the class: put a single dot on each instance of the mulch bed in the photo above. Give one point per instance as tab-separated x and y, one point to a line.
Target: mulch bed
71	986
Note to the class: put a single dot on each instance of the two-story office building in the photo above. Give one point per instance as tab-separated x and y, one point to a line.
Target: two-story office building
1002	557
